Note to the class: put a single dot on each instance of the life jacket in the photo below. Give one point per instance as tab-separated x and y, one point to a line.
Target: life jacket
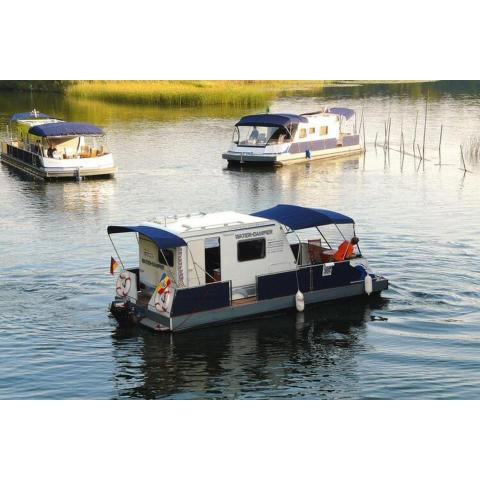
344	251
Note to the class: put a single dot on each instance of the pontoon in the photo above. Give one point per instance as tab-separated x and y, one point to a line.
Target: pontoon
204	269
49	148
283	138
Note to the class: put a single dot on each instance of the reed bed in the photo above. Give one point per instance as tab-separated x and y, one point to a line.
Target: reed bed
180	93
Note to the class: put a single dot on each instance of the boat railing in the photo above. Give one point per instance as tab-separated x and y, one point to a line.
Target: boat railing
306	279
211	296
24	155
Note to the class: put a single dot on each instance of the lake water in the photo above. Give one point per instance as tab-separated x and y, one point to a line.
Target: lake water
419	225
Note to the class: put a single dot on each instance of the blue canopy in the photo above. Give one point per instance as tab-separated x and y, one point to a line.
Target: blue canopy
163	238
270	120
60	129
297	217
28	116
344	112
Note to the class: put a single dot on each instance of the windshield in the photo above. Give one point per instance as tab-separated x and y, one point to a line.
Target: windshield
260	136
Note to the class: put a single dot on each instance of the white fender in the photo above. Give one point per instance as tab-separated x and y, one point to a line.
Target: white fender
368	284
124	283
299	301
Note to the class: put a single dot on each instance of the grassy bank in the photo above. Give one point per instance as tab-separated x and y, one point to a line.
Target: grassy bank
187	93
184	93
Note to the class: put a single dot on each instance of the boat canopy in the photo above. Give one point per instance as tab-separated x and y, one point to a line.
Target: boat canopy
298	218
344	112
270	120
162	238
61	129
28	116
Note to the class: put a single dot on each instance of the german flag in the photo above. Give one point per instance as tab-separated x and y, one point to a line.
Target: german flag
113	265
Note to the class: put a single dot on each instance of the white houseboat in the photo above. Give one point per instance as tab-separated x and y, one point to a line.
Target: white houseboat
283	138
204	269
49	148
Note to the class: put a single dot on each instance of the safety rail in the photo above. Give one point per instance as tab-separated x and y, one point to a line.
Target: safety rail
25	156
202	298
306	279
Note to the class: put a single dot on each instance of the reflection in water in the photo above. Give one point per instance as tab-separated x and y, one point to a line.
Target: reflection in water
296	355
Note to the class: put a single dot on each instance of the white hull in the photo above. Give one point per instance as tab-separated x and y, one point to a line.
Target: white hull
279	160
46	168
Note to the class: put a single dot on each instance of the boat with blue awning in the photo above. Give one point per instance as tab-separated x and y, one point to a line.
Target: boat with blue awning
49	148
278	139
206	268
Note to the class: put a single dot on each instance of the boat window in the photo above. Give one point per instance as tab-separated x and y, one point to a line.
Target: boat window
280	136
303	132
251	250
323	130
311	130
256	136
165	257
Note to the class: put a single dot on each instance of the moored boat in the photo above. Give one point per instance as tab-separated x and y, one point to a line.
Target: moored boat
277	139
204	269
49	148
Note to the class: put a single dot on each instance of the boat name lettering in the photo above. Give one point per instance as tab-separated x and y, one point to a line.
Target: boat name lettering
147	253
260	233
152	264
180	267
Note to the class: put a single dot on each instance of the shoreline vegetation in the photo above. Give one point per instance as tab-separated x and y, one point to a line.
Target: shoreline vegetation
184	93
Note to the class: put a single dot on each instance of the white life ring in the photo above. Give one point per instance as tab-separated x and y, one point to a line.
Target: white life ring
160	300
124	283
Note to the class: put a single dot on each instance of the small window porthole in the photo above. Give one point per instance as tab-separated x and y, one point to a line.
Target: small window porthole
323	130
311	130
303	132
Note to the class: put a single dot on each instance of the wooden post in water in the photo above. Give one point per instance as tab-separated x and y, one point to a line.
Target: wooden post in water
463	158
389	128
415	134
376	135
385	135
419	152
425	126
364	139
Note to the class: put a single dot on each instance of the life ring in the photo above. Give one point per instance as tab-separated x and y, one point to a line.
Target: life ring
160	300
124	283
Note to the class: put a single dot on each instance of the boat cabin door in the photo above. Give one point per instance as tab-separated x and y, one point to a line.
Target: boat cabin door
203	260
213	272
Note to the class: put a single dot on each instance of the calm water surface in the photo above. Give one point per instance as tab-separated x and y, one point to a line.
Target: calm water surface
419	225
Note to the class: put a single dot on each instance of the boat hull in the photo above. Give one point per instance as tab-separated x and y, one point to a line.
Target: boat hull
243	311
279	160
38	166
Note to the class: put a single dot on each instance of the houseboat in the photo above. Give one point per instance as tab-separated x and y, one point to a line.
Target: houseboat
204	269
277	139
50	148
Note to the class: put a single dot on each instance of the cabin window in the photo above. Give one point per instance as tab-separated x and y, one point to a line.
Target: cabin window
303	132
311	130
323	130
251	250
255	135
165	257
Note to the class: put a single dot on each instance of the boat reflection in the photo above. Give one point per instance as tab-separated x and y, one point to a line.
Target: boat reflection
93	194
310	355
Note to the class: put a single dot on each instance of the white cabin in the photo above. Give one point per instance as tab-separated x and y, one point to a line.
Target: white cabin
219	246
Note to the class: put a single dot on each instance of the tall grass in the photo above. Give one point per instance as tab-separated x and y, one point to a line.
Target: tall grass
174	93
191	93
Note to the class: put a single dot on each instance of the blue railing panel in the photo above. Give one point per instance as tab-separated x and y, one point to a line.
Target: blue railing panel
200	299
